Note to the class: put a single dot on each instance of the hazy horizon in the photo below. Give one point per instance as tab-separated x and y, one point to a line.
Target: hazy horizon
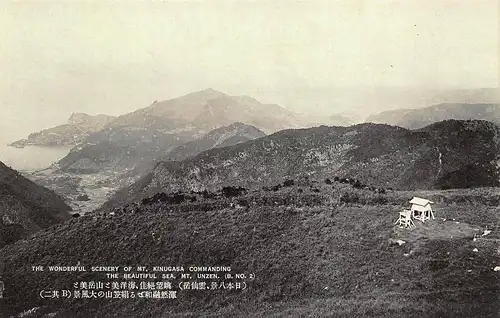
321	56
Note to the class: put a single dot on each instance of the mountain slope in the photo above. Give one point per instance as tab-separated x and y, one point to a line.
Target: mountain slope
221	137
445	155
119	148
79	126
115	149
26	207
418	118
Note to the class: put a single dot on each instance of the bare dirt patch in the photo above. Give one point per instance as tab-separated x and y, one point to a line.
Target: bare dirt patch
436	229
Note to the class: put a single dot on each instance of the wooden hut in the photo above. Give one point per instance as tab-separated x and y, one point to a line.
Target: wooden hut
421	209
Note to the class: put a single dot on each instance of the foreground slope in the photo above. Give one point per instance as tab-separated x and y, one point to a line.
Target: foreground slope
419	118
26	207
449	154
315	249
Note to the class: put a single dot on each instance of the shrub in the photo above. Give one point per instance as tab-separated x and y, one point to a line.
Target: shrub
379	200
231	191
288	183
276	187
207	195
357	184
83	197
328	181
349	198
176	198
243	202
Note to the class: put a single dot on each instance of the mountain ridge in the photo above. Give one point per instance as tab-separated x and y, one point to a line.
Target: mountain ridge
378	154
220	137
420	117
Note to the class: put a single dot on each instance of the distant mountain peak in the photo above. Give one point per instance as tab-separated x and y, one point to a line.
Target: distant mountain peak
207	93
238	124
210	90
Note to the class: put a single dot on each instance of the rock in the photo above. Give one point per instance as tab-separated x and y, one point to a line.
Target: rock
400	242
83	197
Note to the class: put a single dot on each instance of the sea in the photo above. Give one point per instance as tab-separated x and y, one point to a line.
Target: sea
32	157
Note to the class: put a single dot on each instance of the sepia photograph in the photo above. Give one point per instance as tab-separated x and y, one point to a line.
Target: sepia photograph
239	158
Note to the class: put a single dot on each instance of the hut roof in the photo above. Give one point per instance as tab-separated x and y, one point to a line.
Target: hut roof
420	201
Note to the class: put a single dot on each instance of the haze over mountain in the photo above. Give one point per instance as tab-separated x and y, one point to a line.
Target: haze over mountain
418	118
442	46
447	154
357	102
26	207
79	127
148	133
199	112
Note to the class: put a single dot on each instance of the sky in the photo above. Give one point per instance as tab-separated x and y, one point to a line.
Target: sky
112	57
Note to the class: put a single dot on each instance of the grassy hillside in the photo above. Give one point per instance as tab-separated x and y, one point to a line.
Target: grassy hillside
316	248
